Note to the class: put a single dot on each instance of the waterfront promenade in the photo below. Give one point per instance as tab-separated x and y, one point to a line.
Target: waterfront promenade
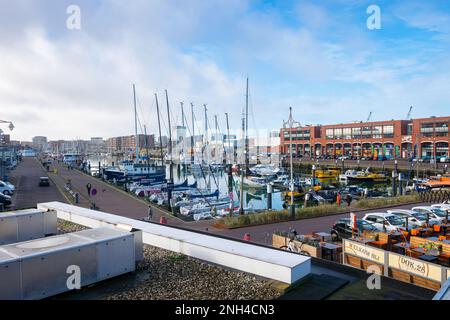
114	200
108	198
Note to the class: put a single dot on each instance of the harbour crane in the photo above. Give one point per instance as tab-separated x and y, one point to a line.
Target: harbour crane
369	116
408	116
11	126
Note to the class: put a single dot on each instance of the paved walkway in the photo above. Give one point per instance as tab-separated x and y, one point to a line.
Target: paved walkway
263	233
108	198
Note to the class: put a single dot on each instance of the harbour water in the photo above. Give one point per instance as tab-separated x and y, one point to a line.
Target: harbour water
214	178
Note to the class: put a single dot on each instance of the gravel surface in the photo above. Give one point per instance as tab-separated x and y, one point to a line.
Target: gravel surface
165	275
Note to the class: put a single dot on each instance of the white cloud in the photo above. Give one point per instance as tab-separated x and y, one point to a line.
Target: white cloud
66	84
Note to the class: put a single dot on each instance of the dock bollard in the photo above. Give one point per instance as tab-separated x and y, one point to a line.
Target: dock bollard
163	220
269	196
247	237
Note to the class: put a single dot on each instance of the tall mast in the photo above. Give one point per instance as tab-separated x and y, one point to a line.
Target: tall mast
192	137
159	127
241	209
183	125
206	133
246	131
216	153
135	124
170	137
146	145
170	128
228	137
182	114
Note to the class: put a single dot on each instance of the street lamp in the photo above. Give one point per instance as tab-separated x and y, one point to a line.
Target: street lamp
290	123
394	177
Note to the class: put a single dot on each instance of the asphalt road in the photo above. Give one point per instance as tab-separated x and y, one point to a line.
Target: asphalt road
263	233
26	180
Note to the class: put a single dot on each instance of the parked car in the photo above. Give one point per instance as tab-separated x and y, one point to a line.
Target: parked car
415	218
44	182
5	200
6	188
342	228
442	206
433	212
385	220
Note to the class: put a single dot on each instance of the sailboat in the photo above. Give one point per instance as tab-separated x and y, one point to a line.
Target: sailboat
129	170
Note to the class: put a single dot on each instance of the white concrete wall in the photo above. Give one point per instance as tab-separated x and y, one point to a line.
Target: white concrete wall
270	263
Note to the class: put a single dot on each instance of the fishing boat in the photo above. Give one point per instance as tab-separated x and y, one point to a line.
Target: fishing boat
132	171
350	174
329	173
436	182
353	176
300	192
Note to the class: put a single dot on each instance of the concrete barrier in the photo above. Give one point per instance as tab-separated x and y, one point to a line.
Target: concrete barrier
266	262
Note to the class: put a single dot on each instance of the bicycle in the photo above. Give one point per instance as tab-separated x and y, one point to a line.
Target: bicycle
293	247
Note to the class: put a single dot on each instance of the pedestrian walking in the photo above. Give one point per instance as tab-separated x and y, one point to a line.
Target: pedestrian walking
150	213
348	199
338	199
88	188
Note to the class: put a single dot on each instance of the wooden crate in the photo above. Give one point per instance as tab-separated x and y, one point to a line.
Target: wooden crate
279	241
353	261
400	275
313	251
366	264
419	281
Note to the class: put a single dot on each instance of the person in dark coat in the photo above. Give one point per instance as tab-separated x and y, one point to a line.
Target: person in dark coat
88	188
348	199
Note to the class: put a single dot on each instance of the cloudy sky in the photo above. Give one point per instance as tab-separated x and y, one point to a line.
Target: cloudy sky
317	56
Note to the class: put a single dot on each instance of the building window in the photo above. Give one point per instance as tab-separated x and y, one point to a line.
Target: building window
426	129
347	133
388	131
409	129
377	132
356	133
329	134
441	129
366	132
338	133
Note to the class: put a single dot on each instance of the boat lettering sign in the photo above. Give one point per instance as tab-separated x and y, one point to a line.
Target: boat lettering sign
363	251
415	266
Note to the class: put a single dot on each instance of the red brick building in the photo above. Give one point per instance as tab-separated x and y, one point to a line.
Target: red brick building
420	138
